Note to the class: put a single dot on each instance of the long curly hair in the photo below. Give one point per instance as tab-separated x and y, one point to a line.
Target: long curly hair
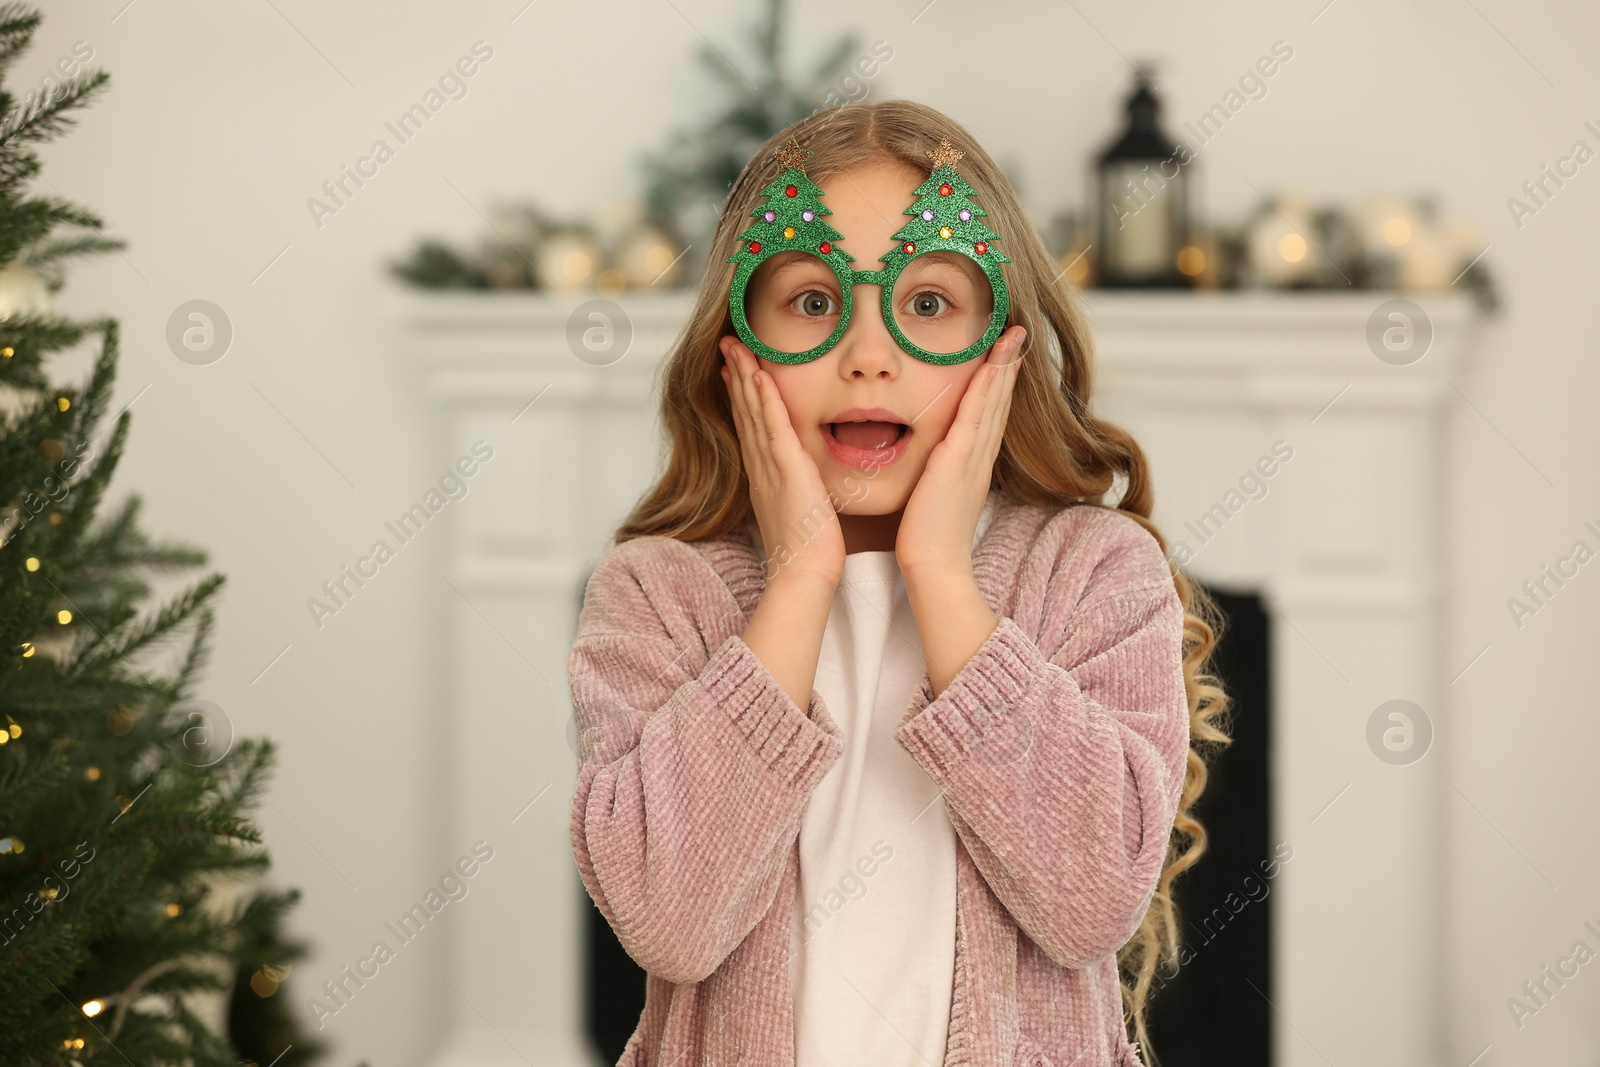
1055	452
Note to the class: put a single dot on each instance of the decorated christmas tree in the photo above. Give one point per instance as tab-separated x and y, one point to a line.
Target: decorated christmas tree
790	217
125	838
946	215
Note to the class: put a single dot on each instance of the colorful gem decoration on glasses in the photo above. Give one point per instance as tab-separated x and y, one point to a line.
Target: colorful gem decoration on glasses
945	218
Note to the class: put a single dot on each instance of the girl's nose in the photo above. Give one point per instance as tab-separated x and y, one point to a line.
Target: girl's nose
867	345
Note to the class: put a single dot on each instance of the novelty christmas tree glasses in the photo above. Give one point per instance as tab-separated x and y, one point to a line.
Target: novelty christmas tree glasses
944	296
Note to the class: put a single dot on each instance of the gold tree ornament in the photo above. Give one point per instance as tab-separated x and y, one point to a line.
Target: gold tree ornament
265	981
946	155
792	156
119	720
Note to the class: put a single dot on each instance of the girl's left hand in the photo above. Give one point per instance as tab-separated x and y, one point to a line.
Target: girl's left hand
938	523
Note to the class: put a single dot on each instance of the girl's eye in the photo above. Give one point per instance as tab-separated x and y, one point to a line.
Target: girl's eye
814	303
927	304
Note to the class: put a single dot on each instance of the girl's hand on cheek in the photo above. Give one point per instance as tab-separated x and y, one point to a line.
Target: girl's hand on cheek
939	520
798	524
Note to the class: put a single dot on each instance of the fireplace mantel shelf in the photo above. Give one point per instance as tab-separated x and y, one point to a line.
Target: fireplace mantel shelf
1231	346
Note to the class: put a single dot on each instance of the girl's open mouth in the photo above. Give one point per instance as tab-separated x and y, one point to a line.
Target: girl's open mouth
865	444
867	434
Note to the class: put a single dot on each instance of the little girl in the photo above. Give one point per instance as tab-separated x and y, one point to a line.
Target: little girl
885	715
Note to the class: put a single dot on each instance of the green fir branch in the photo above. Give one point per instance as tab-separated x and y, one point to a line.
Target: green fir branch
49	256
103	647
49	114
17	23
31	337
23	784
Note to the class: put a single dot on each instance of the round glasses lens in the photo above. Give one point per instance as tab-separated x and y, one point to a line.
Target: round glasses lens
793	302
942	302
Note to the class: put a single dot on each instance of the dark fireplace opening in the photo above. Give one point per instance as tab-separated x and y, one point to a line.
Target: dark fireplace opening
1210	1013
613	985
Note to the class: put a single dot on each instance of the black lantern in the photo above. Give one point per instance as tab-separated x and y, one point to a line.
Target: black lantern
1143	228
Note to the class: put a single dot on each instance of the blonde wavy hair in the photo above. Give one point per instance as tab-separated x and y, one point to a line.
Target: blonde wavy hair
1055	452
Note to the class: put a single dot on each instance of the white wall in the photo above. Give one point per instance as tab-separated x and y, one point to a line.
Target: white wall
285	458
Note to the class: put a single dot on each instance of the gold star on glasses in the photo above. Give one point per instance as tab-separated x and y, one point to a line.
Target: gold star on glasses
946	155
792	155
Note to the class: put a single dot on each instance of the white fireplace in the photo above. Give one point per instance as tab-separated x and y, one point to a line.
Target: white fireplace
1340	540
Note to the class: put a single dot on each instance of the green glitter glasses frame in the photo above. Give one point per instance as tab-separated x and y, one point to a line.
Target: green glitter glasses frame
945	218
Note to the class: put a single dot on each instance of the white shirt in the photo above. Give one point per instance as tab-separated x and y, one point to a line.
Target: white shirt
874	921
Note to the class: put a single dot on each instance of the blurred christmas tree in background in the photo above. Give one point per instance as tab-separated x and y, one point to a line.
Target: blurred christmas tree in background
690	177
133	926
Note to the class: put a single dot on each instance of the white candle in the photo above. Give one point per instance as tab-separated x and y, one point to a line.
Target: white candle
1138	221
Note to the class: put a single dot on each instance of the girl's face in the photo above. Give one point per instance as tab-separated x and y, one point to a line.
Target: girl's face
866	370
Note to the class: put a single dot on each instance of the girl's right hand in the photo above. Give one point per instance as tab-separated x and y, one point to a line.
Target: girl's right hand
798	524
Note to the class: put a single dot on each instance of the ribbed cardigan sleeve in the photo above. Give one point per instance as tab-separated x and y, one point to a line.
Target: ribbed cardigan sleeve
695	764
1061	758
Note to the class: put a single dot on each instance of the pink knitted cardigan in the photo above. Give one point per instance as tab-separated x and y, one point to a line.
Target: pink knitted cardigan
1060	748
